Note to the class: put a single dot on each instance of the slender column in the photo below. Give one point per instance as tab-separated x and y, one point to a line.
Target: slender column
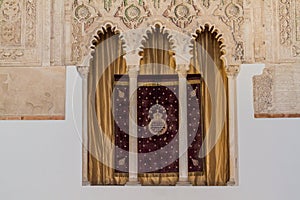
83	71
183	129
232	72
133	129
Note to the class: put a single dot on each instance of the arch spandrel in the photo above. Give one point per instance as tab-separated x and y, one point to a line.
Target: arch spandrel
226	18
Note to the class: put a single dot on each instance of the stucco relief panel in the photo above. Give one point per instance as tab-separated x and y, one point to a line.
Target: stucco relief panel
19	20
283	31
277	92
41	95
88	16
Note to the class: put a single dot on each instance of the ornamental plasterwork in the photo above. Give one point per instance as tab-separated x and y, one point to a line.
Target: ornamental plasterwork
185	17
58	33
282	30
285	22
276	92
206	3
133	13
182	13
296	51
232	15
263	92
18	32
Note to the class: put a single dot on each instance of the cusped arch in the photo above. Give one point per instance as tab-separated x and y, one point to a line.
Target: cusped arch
94	39
157	50
163	30
226	37
218	36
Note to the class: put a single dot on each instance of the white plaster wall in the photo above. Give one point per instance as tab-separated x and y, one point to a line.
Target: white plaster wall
40	160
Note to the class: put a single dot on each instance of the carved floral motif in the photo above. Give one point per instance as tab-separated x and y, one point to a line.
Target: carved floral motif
85	15
30	23
206	3
18	21
133	13
263	92
12	54
10	15
296	51
77	53
285	22
182	14
232	14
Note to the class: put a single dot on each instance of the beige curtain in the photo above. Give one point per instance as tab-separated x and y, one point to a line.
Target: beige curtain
107	62
207	62
156	59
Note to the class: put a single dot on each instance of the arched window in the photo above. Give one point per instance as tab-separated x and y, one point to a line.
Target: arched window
107	61
207	60
108	107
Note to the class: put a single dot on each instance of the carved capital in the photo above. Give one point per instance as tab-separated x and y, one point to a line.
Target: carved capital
83	71
182	47
232	71
132	59
182	70
133	71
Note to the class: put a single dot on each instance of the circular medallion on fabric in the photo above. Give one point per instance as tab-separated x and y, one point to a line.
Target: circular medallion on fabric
158	124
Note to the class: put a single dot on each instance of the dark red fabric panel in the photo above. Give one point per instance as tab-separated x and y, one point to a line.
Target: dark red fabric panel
158	124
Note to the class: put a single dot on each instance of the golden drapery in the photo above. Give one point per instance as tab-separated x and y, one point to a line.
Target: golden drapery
107	61
207	61
156	59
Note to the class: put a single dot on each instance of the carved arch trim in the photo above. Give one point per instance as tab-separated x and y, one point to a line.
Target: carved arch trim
219	37
164	30
232	67
94	40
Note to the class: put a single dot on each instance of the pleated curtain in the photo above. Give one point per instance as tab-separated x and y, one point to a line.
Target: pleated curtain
157	58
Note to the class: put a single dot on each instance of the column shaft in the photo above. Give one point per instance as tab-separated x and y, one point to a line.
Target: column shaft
84	71
232	130
133	129
183	139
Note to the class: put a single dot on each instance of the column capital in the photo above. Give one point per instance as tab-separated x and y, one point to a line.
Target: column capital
132	58
232	71
182	70
83	71
133	71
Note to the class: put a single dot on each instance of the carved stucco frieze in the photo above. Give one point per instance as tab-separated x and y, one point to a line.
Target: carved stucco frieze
296	51
11	20
276	92
182	16
85	15
232	14
285	22
133	13
206	3
182	13
263	92
282	30
19	20
31	21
